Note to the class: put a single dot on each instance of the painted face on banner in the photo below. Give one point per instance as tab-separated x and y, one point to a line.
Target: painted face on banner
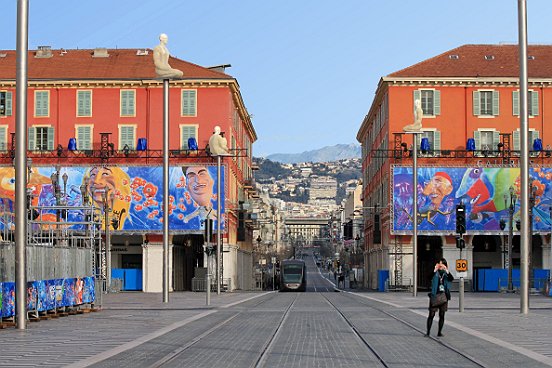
200	185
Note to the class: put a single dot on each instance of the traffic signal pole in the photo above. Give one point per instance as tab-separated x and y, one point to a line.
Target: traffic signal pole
460	243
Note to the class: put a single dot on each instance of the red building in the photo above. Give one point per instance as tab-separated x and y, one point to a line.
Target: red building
470	102
106	101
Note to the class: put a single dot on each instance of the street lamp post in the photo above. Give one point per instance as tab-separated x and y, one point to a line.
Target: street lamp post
107	241
259	240
511	207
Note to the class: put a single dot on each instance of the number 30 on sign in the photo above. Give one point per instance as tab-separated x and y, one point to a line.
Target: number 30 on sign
461	265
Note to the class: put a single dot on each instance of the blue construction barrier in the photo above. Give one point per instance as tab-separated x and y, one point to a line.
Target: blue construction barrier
496	279
132	278
383	276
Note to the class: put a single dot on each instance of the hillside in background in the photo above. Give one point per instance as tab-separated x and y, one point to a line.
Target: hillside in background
325	154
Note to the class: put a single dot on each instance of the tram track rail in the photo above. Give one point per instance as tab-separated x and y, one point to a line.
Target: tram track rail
171	357
398	319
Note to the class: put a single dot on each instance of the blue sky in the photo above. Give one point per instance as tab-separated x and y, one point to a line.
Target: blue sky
308	69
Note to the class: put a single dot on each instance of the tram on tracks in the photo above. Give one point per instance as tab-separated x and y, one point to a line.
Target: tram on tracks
293	275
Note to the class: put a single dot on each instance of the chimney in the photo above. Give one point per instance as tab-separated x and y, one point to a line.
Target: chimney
44	52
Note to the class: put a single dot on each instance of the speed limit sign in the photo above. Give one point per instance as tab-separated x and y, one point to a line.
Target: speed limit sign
461	265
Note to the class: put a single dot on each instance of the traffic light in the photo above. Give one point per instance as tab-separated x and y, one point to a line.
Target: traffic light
460	219
460	243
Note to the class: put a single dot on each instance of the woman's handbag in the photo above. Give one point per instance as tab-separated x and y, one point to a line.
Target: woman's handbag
438	300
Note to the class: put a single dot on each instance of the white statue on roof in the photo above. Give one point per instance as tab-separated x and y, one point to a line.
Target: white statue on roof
218	145
161	60
418	114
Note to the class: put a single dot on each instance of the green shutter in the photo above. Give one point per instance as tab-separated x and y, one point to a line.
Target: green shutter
477	139
476	104
515	102
496	140
3	142
84	138
127	103
50	133
84	103
41	103
516	140
31	139
188	102
187	132
534	103
8	103
127	137
437	140
496	103
417	96
436	102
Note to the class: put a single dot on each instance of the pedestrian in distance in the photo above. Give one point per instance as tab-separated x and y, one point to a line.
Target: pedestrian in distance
440	295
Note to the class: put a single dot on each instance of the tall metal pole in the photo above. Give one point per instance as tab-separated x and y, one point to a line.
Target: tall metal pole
21	163
525	232
219	246
510	238
107	209
165	190
415	214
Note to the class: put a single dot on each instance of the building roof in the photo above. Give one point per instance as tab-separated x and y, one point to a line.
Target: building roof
482	61
120	64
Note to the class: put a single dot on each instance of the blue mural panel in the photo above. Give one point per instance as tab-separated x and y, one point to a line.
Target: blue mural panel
32	295
89	293
485	192
134	194
8	299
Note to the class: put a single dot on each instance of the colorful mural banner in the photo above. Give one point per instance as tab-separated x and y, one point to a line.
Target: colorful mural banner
134	195
45	295
484	191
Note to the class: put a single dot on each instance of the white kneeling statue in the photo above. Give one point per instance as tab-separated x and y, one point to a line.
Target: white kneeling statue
218	144
418	114
161	60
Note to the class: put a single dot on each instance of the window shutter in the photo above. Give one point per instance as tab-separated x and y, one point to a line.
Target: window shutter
8	103
3	142
515	102
477	139
188	103
50	133
534	103
80	103
437	140
192	103
31	138
437	103
187	132
516	140
496	103
84	138
496	140
417	95
38	104
476	105
127	137
131	104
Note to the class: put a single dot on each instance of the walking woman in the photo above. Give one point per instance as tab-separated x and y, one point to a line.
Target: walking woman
440	295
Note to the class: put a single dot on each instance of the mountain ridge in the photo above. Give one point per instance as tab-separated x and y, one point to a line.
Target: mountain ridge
324	154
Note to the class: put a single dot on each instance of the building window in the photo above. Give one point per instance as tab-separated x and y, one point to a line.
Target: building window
3	138
127	134
189	102
434	138
42	103
187	132
5	103
84	103
533	134
128	102
486	103
486	141
431	101
84	137
532	103
41	138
